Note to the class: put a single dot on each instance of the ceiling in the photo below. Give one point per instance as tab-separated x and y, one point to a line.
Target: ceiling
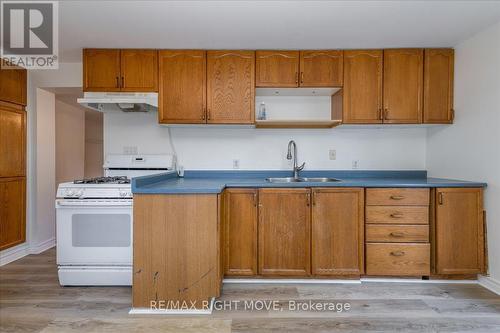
269	24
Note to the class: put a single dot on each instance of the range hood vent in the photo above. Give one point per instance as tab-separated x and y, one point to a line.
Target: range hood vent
126	102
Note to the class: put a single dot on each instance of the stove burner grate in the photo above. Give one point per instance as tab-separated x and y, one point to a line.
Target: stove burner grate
104	180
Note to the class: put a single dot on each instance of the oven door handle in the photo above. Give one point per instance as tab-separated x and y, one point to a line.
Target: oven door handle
98	204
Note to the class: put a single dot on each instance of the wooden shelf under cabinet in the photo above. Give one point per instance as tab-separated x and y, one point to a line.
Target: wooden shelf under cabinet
296	123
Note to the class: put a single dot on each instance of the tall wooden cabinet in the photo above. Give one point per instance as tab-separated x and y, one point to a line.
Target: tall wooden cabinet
362	98
240	232
403	77
12	157
182	95
230	87
337	235
438	86
125	70
284	232
459	231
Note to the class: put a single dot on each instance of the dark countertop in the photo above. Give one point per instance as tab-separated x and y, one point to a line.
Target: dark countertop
217	181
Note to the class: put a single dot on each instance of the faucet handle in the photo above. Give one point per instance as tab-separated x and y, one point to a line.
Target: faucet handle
301	167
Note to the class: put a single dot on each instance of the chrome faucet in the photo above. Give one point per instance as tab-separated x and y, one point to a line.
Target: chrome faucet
296	168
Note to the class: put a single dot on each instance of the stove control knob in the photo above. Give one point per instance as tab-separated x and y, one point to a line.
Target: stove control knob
69	193
79	193
123	194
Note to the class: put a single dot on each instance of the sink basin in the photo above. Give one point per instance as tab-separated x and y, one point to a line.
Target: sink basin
298	180
319	180
283	180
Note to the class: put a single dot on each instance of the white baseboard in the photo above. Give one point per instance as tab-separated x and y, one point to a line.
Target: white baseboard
19	251
293	281
490	283
410	280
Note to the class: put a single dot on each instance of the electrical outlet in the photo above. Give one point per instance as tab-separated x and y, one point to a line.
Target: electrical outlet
332	153
130	150
355	164
236	164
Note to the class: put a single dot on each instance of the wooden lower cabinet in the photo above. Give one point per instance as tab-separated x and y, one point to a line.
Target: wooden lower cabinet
240	232
284	232
12	211
459	231
176	248
337	231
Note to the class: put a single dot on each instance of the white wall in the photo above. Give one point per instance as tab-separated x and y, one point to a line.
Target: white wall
215	147
470	148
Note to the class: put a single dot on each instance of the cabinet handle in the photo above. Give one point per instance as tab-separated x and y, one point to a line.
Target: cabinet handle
386	114
203	114
397	215
314	198
296	77
208	114
380	114
440	198
396	234
452	111
123	82
117	82
255	199
301	77
397	197
397	253
308	199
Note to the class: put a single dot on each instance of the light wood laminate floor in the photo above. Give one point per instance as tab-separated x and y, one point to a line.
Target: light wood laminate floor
31	300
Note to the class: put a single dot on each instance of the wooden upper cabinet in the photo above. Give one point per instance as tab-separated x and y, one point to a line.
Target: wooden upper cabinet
13	86
337	231
362	97
182	82
277	69
230	87
12	141
139	70
438	86
12	211
321	68
240	232
403	75
101	70
459	231
284	232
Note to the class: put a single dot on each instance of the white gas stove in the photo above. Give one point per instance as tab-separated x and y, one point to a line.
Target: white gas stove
94	222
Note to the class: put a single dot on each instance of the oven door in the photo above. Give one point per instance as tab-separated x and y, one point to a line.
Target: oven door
94	232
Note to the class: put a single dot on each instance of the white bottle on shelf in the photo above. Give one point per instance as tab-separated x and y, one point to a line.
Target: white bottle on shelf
262	111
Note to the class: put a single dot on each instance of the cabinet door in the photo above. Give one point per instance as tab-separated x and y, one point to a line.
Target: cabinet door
277	69
438	86
13	86
139	70
321	68
240	232
101	70
337	231
12	212
362	87
230	87
12	141
182	93
403	74
459	238
284	232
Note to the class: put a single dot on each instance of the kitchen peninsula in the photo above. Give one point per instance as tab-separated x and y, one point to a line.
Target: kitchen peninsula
191	232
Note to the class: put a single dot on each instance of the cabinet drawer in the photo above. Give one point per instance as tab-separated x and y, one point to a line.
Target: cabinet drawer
397	196
397	233
405	259
397	215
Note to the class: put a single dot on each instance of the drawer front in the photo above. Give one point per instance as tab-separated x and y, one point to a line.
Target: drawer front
397	196
397	233
405	259
397	214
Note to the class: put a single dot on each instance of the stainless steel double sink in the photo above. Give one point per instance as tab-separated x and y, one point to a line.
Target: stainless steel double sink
302	180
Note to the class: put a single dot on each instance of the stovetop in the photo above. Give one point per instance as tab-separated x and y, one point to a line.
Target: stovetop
104	180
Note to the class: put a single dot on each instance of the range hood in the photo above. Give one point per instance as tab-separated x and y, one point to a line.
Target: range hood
126	102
